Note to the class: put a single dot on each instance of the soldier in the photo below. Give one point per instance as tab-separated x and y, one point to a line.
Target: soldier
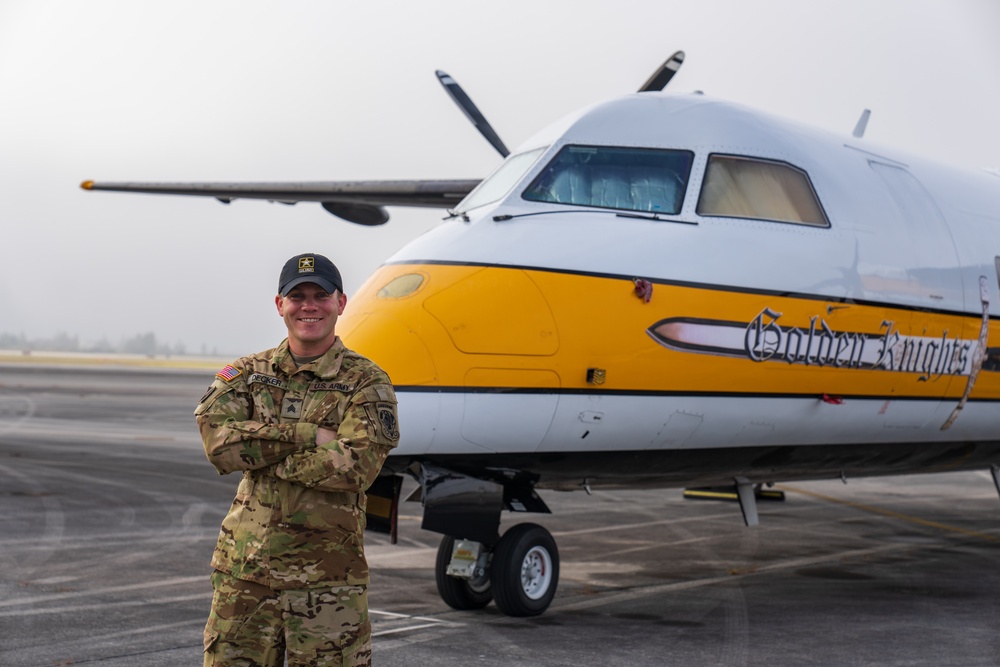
309	424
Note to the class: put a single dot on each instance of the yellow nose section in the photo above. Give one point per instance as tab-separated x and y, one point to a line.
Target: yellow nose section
428	324
393	345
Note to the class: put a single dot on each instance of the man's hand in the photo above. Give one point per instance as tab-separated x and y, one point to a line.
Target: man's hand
325	435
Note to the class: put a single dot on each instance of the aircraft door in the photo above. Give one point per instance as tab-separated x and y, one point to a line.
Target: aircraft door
913	261
933	277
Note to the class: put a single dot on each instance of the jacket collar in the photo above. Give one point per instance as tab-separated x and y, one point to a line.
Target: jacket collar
325	367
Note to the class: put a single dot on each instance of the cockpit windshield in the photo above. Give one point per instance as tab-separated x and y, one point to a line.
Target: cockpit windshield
499	183
629	179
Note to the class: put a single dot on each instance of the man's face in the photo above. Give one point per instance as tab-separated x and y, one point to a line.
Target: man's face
310	313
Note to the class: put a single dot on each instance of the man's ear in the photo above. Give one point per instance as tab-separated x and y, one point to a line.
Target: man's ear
279	304
341	303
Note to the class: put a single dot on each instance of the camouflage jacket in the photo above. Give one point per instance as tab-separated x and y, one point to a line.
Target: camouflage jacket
298	518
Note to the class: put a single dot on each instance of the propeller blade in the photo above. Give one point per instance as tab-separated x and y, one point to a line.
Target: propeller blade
661	77
471	112
859	129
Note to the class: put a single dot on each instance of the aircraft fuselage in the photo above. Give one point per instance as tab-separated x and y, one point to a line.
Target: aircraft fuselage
522	334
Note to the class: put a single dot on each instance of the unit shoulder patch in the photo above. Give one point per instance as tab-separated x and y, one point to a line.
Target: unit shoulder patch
387	420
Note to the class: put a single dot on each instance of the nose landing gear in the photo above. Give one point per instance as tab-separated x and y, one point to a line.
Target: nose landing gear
521	574
461	592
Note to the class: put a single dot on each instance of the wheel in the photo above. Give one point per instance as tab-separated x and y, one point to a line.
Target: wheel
525	570
459	593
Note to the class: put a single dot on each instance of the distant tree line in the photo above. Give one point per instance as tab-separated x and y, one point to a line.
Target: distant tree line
144	343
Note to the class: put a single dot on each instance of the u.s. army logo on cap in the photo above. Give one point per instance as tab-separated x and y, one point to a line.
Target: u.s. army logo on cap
307	264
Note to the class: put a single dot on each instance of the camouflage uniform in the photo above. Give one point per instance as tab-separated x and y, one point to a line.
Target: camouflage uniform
292	543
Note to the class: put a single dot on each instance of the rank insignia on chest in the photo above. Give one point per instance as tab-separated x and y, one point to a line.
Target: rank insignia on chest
228	373
291	408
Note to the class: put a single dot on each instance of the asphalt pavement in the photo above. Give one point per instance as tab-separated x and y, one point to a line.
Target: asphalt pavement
109	514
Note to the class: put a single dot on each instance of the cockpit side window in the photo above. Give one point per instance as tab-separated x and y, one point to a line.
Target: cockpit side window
499	183
743	187
628	179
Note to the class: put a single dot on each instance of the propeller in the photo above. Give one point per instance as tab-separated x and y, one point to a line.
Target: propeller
661	77
470	110
657	82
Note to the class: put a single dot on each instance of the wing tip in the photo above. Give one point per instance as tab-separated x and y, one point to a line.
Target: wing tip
87	185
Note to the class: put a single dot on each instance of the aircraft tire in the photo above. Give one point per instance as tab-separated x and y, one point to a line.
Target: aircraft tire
525	570
458	593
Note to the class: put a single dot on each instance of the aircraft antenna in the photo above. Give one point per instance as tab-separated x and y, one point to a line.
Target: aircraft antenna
471	112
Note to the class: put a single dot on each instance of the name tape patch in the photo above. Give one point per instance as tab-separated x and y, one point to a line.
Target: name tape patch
331	386
260	378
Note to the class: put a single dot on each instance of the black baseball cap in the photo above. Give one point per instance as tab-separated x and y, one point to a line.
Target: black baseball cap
310	268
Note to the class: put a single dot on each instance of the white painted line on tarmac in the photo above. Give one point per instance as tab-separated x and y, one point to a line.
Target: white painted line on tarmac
407	628
207	597
647	591
38	599
416	618
426	623
43	543
688	518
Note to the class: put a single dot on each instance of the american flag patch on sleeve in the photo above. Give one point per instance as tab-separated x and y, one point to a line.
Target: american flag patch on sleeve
228	373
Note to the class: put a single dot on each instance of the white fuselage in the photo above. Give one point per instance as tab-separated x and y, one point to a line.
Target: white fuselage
907	244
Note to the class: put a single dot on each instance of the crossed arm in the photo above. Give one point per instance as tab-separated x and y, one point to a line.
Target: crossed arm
346	459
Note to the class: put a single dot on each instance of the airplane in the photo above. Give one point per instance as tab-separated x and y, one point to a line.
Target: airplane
667	290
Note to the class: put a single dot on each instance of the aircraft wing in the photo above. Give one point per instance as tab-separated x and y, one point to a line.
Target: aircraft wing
362	202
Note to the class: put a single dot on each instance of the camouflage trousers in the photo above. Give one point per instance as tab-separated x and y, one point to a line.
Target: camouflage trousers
251	625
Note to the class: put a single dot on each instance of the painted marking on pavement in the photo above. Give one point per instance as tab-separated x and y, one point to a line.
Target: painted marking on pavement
895	515
426	622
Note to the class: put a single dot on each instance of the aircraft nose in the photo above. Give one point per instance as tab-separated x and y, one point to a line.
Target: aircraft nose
452	338
384	321
392	343
386	325
433	325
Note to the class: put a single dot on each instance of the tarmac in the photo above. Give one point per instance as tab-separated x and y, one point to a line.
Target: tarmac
109	513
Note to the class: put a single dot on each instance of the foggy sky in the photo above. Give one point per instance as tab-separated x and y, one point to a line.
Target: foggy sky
309	90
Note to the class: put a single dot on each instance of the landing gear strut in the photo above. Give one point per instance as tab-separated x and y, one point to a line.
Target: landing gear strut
521	574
